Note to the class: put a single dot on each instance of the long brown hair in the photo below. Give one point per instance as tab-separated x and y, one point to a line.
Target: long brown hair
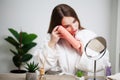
58	13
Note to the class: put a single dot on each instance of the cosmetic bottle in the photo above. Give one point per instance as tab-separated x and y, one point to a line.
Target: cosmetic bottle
108	70
42	74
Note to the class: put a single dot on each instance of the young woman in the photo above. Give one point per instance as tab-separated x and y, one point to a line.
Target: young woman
58	54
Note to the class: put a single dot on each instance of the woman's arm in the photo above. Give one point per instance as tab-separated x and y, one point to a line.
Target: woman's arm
46	57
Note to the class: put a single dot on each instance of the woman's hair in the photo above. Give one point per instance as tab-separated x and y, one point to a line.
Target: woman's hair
60	11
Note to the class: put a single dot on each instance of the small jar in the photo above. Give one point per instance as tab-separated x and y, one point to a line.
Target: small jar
42	74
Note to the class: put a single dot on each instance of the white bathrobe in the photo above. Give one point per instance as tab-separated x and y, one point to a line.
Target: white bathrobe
66	58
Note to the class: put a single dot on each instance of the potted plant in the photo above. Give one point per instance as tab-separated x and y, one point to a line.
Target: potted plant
79	75
23	42
31	68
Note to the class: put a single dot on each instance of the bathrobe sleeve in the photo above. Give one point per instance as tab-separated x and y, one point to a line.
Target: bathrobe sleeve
45	56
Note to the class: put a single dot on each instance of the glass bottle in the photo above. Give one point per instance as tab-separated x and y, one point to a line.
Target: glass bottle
42	74
108	69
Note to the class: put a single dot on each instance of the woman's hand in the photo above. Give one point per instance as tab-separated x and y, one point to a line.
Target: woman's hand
55	36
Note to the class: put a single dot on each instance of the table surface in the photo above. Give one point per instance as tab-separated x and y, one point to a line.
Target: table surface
12	76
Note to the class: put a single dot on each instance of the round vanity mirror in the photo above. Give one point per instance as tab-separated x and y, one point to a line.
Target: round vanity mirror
95	49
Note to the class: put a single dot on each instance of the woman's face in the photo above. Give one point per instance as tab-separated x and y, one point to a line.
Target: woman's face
70	24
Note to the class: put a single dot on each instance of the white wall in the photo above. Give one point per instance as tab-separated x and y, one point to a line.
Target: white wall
34	16
115	37
116	34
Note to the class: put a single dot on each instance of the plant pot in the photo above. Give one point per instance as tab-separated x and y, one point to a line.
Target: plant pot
18	71
80	78
31	76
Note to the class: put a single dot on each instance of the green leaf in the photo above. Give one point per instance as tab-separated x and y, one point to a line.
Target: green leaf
32	67
15	53
79	73
28	38
26	57
17	61
20	51
23	35
15	33
12	41
27	47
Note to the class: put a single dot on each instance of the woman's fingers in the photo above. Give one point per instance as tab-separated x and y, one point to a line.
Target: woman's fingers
55	29
56	32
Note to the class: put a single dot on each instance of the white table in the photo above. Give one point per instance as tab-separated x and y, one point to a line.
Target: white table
12	76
